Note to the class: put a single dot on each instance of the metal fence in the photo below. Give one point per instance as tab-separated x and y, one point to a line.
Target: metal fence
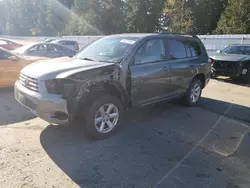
219	42
211	42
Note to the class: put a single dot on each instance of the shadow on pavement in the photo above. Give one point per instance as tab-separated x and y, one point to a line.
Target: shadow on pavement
10	110
237	111
154	139
230	81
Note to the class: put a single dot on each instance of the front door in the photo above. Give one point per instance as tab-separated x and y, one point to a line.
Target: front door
149	73
37	50
183	63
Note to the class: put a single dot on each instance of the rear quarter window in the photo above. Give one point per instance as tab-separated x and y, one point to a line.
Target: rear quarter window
194	47
180	49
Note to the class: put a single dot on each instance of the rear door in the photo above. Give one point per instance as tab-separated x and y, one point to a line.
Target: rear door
53	51
149	73
67	44
184	61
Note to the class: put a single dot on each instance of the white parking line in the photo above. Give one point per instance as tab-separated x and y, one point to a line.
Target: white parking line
197	145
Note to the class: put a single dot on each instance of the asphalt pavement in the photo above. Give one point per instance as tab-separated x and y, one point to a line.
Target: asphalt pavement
164	145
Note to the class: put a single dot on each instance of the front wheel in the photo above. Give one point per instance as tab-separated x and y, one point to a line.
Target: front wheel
103	117
194	93
246	76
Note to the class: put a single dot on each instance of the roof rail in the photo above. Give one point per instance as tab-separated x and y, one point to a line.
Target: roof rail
184	34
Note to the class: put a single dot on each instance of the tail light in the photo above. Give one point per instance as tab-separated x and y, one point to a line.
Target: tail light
211	61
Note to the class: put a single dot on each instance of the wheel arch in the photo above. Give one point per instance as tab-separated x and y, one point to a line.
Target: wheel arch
109	87
201	77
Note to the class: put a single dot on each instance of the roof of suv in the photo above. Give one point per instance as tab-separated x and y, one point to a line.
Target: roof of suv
141	35
59	40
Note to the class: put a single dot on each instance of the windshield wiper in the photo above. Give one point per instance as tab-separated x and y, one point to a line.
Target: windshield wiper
88	59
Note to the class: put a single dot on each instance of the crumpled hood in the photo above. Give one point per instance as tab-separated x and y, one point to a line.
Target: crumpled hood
231	57
47	69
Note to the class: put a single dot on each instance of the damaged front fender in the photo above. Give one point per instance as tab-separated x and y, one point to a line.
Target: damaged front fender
87	82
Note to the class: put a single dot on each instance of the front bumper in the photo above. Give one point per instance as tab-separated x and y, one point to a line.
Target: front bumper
51	108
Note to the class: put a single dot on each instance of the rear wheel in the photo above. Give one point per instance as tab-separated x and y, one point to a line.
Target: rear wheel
194	92
103	117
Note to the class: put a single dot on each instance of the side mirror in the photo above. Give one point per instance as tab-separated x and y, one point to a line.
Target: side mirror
13	58
218	51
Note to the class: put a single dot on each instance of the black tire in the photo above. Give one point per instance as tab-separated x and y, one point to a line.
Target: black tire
187	99
90	129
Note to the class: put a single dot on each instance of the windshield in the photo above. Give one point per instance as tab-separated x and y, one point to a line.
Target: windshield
243	50
22	49
108	49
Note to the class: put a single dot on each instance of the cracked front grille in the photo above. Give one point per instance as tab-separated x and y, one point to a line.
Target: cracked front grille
225	64
29	82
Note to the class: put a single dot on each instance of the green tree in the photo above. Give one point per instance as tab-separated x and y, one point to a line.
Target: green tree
235	19
178	17
144	15
206	14
85	18
96	17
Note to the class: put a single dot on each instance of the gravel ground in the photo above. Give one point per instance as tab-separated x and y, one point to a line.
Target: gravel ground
165	145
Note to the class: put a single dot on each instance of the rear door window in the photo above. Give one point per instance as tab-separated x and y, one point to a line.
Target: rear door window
176	49
56	48
35	48
151	51
194	48
70	43
63	42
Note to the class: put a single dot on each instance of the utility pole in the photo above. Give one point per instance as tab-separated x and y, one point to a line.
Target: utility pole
182	14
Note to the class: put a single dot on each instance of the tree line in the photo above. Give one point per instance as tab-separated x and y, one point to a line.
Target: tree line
103	17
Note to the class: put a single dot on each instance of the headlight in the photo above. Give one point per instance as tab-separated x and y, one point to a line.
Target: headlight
63	87
51	86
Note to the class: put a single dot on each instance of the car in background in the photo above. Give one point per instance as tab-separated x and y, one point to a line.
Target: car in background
71	44
10	66
48	40
233	61
9	45
115	73
45	50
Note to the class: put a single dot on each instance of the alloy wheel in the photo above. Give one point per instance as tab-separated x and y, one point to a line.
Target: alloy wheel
195	93
106	118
